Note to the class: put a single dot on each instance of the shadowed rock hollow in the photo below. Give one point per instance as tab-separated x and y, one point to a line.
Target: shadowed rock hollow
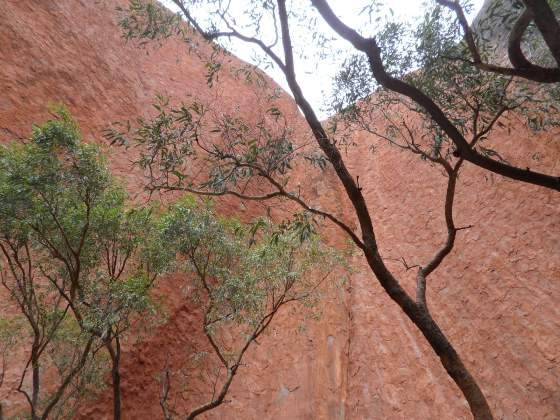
495	296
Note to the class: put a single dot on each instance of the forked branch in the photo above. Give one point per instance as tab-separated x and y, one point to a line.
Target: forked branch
369	47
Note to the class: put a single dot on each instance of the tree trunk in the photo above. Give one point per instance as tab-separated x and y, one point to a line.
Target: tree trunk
455	367
115	354
417	313
36	382
420	316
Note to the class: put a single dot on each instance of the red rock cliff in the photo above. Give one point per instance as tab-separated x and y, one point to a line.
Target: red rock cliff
495	296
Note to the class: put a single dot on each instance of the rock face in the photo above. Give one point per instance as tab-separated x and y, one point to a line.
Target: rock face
495	296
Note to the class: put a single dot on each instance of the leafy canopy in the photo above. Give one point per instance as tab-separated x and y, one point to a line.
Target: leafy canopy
76	262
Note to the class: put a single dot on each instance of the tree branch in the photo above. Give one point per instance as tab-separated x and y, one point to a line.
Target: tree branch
547	24
212	36
370	48
521	66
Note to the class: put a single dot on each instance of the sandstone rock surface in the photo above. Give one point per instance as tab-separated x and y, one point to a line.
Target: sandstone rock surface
496	295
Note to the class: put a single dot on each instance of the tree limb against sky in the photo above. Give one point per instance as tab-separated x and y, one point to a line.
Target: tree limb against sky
317	78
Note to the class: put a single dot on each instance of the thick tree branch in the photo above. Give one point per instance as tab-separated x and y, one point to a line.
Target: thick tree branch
547	24
515	54
370	48
449	222
421	290
521	66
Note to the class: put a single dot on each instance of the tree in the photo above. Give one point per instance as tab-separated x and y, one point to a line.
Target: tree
245	274
73	262
458	97
428	103
132	259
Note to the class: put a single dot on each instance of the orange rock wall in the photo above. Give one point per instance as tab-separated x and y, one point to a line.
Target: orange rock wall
495	296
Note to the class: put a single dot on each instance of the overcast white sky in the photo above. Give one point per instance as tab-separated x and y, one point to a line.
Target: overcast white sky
315	75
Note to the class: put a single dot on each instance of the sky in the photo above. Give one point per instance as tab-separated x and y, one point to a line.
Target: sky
313	74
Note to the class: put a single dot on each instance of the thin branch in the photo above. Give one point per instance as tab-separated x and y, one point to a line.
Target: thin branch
212	36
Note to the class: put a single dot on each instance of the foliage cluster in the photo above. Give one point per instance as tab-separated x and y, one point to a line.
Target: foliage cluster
79	262
437	87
